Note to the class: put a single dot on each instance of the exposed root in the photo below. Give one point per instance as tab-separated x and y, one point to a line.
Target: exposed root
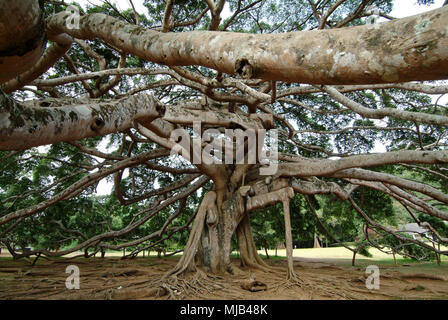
233	269
292	279
317	287
331	288
196	284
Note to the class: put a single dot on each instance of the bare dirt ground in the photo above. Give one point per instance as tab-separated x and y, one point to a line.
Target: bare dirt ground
112	278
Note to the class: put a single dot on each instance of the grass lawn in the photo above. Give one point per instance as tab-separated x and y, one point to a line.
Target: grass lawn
334	253
343	256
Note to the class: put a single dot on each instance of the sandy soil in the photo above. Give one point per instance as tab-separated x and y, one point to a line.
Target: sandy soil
112	278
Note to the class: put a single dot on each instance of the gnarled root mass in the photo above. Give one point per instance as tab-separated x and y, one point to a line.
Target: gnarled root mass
198	284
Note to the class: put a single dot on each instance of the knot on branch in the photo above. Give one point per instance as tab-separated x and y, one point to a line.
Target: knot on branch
244	69
97	124
246	191
287	194
161	109
212	216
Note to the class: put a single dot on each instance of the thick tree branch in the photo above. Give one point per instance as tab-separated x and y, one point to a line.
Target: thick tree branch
23	126
360	59
306	168
386	112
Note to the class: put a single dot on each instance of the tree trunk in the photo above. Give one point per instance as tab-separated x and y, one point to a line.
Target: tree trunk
266	249
316	242
354	258
395	258
209	243
288	238
198	247
438	255
219	227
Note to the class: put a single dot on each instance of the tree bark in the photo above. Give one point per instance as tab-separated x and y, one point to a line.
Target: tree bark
412	48
25	125
288	239
22	36
209	243
354	257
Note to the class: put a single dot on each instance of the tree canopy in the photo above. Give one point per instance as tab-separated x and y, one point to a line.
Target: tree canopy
340	123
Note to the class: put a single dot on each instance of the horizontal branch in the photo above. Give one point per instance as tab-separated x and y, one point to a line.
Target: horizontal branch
23	126
394	180
321	187
411	86
306	168
385	112
95	75
412	48
179	115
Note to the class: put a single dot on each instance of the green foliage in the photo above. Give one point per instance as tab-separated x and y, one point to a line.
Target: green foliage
406	248
269	228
